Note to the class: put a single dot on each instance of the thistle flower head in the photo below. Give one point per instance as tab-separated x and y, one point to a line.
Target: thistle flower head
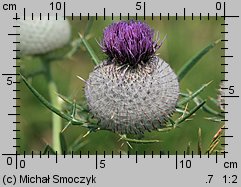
39	36
129	43
131	100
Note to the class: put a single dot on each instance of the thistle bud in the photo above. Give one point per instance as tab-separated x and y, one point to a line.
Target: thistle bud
42	36
133	90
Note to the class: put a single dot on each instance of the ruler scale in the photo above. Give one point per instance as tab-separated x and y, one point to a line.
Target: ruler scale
139	168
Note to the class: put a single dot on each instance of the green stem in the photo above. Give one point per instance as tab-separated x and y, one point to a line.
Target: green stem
56	120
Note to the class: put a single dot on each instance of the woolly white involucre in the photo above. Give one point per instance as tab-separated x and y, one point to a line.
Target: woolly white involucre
42	36
132	100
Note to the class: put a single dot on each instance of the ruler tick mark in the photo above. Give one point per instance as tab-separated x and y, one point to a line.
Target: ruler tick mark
226	136
104	13
96	160
176	160
227	56
56	157
24	14
64	11
16	17
144	10
224	120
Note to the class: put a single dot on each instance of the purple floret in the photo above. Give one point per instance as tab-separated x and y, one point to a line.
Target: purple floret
129	42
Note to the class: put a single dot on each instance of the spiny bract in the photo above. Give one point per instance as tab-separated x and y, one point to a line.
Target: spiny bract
133	90
42	36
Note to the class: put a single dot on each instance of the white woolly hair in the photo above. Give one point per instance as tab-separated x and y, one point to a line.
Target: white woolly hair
42	36
127	100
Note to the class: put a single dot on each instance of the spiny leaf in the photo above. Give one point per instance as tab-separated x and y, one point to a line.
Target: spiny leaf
188	148
90	50
79	142
193	61
214	119
179	110
166	129
199	141
78	146
89	26
190	97
179	121
124	138
63	143
65	99
214	101
75	44
215	140
213	146
49	105
206	108
49	149
184	94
